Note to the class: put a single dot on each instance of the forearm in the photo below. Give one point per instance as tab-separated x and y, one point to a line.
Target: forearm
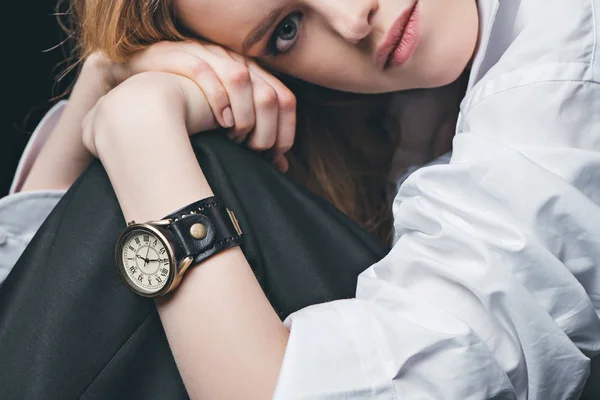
227	340
64	157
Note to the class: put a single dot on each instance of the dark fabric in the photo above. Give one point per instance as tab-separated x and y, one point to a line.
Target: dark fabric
69	328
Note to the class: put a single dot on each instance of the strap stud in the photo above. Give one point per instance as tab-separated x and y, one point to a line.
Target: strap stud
198	231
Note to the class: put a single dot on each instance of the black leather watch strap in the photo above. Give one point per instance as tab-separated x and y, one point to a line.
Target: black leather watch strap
204	228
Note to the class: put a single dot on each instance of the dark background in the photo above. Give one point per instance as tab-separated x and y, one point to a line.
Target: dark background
29	28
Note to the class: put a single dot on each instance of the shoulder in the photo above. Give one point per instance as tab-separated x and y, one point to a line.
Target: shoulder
541	32
539	76
534	41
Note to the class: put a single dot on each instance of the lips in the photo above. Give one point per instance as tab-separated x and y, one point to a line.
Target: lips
401	40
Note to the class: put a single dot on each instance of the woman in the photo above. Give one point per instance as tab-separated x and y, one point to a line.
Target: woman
489	290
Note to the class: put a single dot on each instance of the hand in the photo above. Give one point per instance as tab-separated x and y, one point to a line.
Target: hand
252	103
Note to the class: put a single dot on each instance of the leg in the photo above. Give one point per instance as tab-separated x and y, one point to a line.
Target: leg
69	328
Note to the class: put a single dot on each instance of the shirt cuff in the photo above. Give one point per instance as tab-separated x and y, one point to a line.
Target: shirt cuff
331	354
35	144
355	349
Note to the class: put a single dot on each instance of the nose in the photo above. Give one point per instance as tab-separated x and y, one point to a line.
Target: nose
350	18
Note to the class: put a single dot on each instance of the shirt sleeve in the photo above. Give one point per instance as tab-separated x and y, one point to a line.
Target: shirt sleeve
35	144
492	290
22	213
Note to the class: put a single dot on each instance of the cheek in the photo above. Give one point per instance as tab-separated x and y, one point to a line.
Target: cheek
452	28
331	65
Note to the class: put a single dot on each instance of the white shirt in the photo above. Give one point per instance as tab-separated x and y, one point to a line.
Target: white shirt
22	214
492	288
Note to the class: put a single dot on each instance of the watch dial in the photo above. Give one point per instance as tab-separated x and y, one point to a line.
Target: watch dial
145	261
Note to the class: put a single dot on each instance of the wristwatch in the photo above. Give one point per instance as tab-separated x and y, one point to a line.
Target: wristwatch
152	257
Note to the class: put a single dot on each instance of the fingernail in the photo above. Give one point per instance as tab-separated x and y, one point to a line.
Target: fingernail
282	164
228	117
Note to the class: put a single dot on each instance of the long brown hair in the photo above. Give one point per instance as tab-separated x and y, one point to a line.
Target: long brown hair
342	152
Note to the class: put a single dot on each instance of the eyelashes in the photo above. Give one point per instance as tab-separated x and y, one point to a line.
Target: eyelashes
285	35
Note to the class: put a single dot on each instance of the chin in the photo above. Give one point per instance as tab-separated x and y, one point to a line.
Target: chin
449	52
436	77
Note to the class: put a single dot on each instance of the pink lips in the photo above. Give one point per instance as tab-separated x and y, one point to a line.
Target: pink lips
401	40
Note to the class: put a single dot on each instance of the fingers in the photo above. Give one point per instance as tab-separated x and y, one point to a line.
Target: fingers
173	59
203	74
286	105
236	80
264	88
252	103
264	134
282	164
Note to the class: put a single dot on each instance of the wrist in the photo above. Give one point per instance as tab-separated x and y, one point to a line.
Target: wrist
132	112
140	136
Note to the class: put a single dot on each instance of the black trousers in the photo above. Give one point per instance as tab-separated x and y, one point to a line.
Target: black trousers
70	329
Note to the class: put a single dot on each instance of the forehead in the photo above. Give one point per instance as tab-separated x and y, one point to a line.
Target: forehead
226	22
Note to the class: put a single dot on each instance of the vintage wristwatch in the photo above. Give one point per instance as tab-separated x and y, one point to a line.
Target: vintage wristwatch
152	257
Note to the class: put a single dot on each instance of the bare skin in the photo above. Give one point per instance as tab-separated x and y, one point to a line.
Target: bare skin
337	40
220	326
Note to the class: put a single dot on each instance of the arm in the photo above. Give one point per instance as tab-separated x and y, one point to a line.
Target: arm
487	294
64	157
219	311
491	291
55	156
22	213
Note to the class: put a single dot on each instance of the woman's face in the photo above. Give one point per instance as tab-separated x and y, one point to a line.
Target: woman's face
349	45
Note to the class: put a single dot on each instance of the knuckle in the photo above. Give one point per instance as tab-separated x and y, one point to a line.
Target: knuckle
219	96
198	67
265	97
287	101
238	76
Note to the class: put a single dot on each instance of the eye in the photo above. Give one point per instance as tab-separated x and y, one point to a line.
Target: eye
285	34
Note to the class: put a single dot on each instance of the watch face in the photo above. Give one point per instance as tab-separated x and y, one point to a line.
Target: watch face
144	261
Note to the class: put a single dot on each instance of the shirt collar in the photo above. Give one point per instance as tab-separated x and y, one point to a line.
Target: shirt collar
487	10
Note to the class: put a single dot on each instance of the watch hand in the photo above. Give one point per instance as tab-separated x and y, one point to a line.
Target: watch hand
138	256
146	259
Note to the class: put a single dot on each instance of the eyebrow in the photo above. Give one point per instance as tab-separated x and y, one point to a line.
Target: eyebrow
261	30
